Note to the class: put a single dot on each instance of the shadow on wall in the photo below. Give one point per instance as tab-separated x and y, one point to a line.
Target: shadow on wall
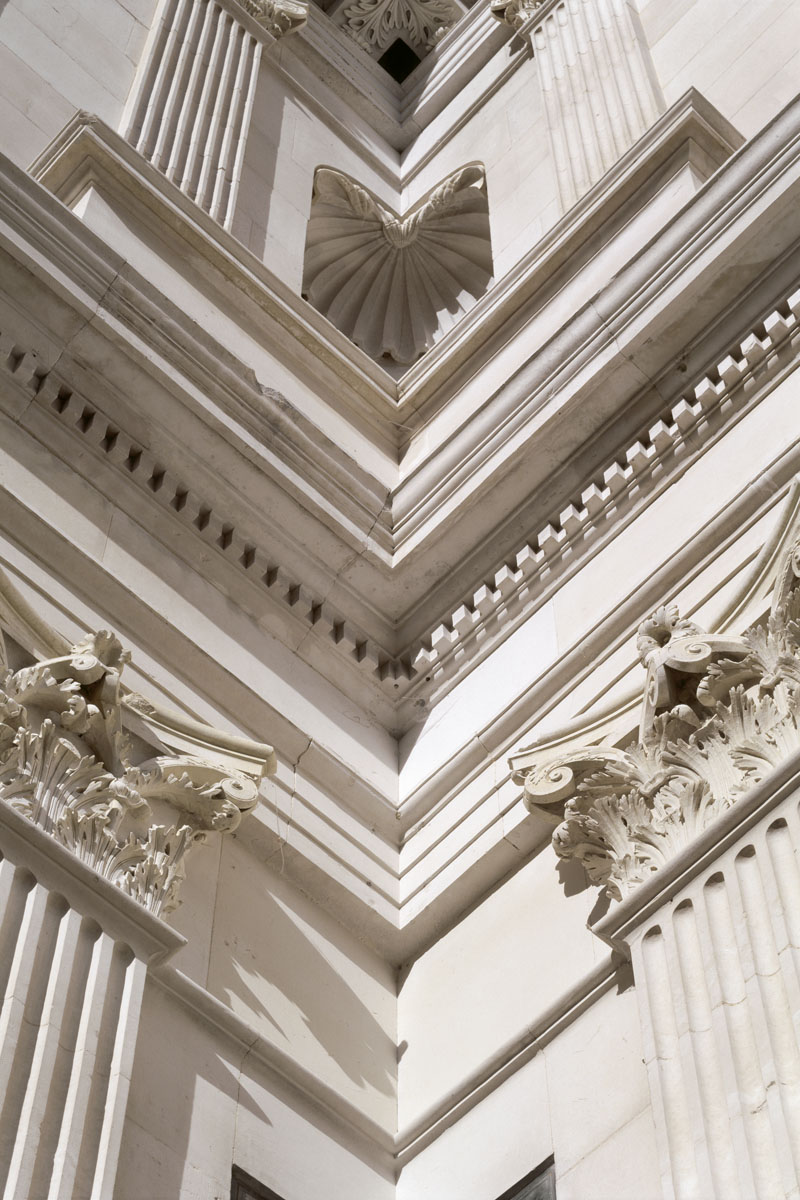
269	126
177	1073
268	970
200	1102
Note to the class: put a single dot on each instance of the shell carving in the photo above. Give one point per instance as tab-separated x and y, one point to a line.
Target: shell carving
394	284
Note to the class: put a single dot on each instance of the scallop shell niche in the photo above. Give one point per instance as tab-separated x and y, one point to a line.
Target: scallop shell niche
395	284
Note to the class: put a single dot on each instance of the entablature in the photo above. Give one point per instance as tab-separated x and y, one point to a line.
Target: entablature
375	535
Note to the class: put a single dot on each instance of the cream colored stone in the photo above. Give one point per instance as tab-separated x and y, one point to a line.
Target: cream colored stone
398	576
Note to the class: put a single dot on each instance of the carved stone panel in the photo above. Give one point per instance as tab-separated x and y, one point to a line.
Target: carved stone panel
393	284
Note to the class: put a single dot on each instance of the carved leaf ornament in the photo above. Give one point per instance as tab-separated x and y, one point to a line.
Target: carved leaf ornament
515	13
375	24
278	17
65	764
390	283
718	715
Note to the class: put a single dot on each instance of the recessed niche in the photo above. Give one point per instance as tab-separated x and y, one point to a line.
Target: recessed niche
399	60
394	284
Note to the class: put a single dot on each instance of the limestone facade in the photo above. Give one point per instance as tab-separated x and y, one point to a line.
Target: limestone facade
400	600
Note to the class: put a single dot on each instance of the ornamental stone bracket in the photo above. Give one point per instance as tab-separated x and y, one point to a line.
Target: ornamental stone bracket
393	284
693	827
66	765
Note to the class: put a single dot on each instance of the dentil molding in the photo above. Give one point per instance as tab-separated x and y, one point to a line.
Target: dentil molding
68	766
719	713
439	658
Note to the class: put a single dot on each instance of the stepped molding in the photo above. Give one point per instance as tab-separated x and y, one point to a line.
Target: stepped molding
500	601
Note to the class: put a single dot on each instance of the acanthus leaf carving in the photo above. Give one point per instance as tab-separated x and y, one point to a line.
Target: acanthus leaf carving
515	13
375	24
278	17
66	765
718	714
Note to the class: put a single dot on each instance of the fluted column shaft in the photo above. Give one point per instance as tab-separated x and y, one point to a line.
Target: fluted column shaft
190	108
73	962
717	969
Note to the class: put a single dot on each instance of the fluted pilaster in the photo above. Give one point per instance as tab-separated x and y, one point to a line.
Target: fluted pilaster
85	873
597	83
693	828
190	107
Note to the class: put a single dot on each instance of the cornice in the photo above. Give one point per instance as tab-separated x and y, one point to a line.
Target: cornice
630	481
679	436
87	152
440	656
480	833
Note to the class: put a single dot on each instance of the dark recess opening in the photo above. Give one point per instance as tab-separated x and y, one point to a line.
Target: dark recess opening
399	60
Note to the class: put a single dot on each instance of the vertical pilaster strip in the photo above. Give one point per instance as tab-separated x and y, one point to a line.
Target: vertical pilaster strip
666	1045
82	1072
68	1028
597	83
191	104
722	1028
32	1131
131	972
241	142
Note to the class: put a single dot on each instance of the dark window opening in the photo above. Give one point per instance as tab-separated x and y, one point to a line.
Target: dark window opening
245	1187
540	1184
399	60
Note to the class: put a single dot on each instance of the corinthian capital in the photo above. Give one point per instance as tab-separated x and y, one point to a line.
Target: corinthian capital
718	715
278	17
67	765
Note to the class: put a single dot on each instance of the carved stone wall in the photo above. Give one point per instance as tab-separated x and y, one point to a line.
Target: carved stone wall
193	98
597	82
